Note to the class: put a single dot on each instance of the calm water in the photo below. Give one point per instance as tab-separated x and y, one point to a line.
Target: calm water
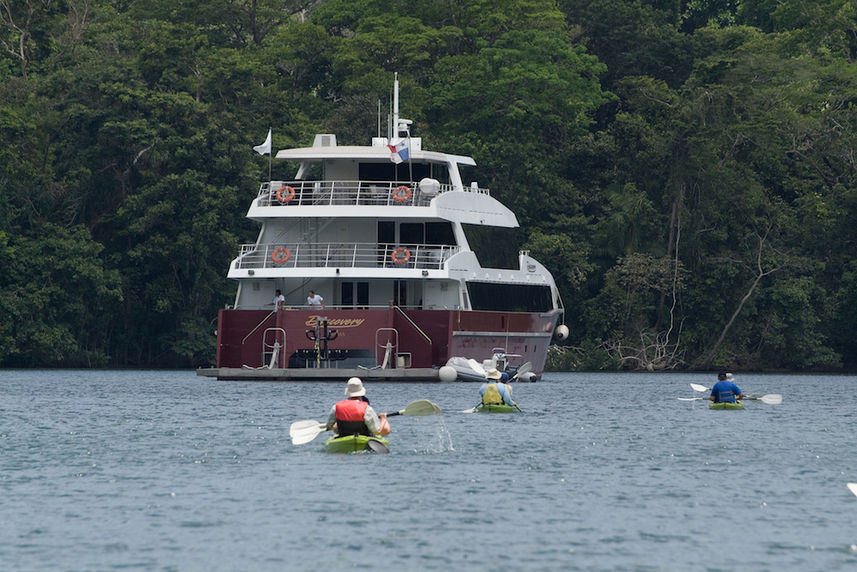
170	471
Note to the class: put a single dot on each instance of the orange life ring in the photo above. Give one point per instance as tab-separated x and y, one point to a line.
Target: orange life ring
285	199
406	255
399	198
281	255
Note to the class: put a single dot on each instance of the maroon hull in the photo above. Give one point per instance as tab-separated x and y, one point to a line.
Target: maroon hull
418	338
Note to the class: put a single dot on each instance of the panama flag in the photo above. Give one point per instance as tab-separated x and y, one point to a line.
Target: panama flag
399	152
264	148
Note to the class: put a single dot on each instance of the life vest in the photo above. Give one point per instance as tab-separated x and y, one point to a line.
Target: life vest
724	393
349	417
492	395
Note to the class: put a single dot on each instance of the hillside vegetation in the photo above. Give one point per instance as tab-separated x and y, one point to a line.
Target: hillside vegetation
685	169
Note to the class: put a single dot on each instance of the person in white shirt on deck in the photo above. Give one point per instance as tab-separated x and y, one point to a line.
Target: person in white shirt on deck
279	301
314	299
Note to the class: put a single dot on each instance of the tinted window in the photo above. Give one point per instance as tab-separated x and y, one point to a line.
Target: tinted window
509	297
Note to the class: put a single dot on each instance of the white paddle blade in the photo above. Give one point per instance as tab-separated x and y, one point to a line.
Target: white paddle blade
690	398
852	487
772	399
307	434
525	368
421	407
697	387
299	426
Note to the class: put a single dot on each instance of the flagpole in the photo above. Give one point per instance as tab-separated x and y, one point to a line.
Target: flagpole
270	156
410	164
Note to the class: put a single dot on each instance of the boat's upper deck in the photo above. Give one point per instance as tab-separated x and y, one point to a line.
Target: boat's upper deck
353	181
379	199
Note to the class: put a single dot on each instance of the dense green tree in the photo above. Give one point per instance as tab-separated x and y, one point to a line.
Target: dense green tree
685	169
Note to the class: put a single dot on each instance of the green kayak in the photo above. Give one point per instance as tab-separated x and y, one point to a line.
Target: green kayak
353	443
492	408
726	405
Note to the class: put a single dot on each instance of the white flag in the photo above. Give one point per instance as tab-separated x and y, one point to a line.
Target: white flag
264	148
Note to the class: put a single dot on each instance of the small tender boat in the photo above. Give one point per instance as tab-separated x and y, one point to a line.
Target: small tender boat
468	369
492	408
726	405
354	443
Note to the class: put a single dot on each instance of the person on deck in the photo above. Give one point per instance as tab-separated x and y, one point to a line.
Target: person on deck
725	390
496	390
354	416
314	300
279	301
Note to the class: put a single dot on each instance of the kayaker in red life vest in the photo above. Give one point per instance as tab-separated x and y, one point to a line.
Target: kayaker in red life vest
494	393
725	390
354	415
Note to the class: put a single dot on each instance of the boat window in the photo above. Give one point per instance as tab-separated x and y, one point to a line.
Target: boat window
400	293
412	233
386	232
347	292
496	247
439	233
363	294
509	297
391	172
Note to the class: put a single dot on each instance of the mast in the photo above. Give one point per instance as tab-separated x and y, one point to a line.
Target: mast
395	107
401	126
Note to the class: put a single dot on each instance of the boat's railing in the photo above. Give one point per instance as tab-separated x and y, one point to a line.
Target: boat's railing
351	306
365	193
344	255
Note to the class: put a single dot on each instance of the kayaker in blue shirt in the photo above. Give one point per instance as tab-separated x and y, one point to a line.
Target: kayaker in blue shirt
494	393
725	390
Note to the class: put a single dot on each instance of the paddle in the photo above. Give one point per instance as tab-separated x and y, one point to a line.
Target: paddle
418	407
697	387
522	370
305	431
852	487
770	399
377	446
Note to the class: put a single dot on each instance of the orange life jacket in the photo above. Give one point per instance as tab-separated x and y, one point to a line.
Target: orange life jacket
349	417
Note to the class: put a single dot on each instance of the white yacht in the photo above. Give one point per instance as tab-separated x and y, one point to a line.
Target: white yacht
378	232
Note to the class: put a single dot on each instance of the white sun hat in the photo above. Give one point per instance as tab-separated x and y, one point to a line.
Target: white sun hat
355	388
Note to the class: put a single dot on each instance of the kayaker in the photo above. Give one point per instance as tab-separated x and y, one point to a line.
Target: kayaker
725	390
494	393
354	416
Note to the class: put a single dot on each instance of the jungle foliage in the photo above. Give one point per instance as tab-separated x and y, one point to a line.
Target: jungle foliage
685	169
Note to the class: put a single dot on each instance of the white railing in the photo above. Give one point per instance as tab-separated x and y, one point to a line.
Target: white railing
324	193
344	255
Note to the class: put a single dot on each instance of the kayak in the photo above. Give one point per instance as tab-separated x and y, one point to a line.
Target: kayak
351	443
726	405
483	408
